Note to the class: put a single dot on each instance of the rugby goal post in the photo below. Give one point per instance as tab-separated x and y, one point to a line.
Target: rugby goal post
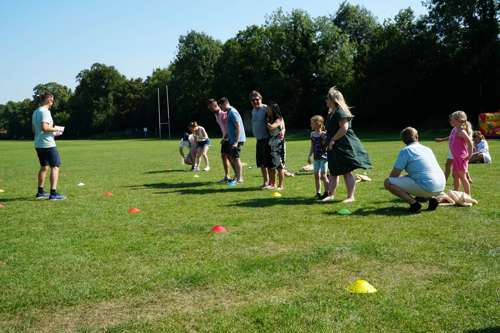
160	123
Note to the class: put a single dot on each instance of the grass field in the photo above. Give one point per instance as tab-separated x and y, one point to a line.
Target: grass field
86	265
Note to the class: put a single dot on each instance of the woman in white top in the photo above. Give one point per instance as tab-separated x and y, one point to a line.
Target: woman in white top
202	142
481	152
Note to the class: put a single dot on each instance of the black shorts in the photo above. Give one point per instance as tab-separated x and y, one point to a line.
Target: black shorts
225	147
277	152
263	154
235	151
48	156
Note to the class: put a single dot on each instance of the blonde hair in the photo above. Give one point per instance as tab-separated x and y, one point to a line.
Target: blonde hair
319	120
462	116
336	96
409	135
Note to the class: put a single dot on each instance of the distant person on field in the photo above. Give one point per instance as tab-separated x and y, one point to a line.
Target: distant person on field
461	147
345	151
202	142
449	158
236	137
225	147
276	128
481	152
259	129
319	154
45	145
425	178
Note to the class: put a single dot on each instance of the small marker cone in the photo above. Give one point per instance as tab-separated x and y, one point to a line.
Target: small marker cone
196	175
2	206
361	287
232	183
1	191
108	194
218	229
134	210
344	211
81	184
276	195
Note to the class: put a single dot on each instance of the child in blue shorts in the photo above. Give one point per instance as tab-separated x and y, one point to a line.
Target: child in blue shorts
318	151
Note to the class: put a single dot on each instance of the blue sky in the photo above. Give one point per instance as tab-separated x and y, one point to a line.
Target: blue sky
53	40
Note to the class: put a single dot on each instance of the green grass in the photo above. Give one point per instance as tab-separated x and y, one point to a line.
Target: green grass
86	265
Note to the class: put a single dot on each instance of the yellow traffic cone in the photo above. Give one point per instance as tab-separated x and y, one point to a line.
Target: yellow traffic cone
277	194
361	287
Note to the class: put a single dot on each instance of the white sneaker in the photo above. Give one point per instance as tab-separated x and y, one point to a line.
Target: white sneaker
328	198
268	187
240	180
206	168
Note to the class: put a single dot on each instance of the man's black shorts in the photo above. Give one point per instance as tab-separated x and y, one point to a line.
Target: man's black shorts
235	151
48	156
263	154
225	147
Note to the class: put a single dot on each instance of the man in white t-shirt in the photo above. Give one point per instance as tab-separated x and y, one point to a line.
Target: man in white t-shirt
45	145
425	178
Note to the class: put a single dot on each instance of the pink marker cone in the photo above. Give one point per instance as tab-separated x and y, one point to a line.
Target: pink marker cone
108	194
218	229
134	210
2	206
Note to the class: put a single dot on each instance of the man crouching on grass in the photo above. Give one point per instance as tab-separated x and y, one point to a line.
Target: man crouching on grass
425	178
45	145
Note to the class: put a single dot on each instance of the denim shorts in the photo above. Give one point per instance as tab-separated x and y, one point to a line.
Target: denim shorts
320	165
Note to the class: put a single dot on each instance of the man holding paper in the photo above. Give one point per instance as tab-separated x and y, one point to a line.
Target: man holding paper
45	145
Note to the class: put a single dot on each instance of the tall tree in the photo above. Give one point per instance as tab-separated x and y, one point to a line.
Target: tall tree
93	103
193	76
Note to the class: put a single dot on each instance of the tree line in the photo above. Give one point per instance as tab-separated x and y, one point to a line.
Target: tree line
404	71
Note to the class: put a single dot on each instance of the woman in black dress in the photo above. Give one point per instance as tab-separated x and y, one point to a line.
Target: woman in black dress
345	151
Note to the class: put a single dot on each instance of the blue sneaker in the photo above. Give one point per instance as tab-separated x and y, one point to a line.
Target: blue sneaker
57	196
42	196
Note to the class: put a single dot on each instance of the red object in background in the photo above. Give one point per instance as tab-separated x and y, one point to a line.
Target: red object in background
489	124
108	194
218	228
134	210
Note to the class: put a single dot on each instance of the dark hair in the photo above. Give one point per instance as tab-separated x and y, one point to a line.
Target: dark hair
45	96
409	135
211	100
223	100
193	124
276	112
253	94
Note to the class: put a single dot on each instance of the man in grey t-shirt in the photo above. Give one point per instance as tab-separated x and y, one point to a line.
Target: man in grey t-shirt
259	129
45	146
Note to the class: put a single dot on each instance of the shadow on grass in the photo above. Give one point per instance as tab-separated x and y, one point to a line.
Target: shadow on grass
495	329
3	200
165	171
385	211
268	202
166	186
225	189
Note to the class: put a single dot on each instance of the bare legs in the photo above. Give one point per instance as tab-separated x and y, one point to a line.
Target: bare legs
265	176
202	152
54	176
461	177
350	183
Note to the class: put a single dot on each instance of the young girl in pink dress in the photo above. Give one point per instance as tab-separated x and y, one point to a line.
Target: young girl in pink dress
461	150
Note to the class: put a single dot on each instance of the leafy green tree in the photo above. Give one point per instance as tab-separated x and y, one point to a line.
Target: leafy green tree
469	31
192	78
94	102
